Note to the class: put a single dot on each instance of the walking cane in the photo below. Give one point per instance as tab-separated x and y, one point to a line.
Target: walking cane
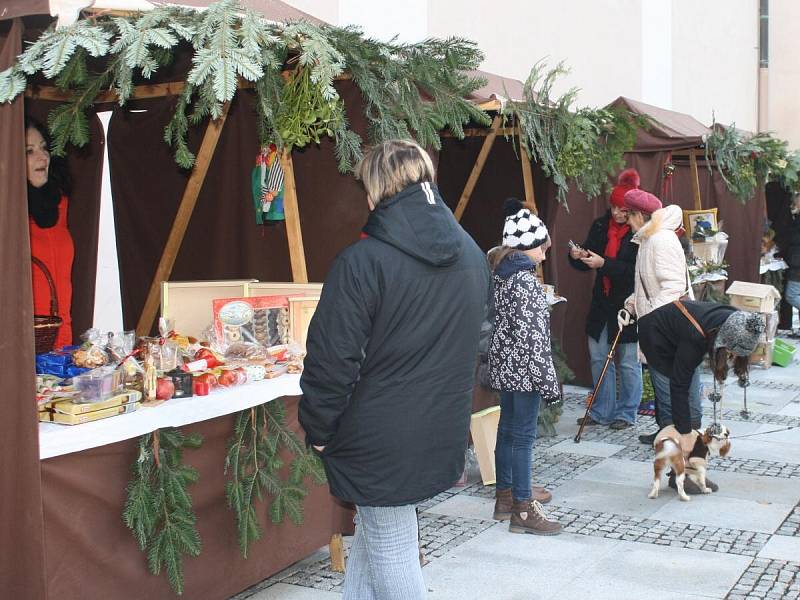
593	393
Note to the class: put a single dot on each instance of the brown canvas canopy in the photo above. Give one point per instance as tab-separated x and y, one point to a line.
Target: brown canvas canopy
670	130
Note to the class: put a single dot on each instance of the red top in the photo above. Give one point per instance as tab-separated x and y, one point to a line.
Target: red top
54	247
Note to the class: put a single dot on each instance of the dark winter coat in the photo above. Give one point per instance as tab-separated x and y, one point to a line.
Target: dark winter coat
392	352
674	347
620	270
520	354
792	254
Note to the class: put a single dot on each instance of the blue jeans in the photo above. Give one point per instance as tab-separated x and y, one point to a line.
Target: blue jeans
383	563
792	293
516	432
607	406
664	401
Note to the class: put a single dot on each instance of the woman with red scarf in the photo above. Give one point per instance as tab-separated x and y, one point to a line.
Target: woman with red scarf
51	242
609	252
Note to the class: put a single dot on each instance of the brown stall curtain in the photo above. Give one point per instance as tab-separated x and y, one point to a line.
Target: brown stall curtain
86	171
92	554
222	240
22	565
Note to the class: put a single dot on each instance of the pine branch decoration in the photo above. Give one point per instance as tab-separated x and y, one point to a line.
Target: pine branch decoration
158	509
254	464
410	90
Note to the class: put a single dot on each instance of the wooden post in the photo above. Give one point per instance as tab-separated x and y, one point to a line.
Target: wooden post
337	553
695	179
181	222
527	179
476	169
297	253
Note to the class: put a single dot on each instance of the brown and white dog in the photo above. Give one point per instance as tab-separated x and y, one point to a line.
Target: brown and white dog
668	451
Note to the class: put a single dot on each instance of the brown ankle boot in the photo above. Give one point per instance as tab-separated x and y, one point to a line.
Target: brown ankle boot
541	495
529	517
502	505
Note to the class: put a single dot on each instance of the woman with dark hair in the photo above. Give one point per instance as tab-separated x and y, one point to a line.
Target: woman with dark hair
676	337
51	242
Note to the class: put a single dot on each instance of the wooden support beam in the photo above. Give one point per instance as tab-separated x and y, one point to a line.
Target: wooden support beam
482	132
527	180
477	168
181	222
336	548
297	253
694	178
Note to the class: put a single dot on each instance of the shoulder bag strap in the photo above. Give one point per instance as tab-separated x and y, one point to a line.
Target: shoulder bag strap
692	320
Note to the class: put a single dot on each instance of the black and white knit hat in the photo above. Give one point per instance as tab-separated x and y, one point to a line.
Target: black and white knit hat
740	333
523	230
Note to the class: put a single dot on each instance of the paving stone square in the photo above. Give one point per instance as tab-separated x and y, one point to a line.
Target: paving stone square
742	542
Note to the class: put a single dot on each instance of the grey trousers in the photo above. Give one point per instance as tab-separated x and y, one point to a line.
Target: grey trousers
383	563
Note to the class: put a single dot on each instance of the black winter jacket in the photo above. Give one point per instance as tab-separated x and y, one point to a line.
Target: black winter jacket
620	270
792	254
674	347
392	351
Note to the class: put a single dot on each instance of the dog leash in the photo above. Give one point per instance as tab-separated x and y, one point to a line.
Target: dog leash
747	435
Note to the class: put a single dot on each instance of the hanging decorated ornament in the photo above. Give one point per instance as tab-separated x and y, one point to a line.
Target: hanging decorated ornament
267	183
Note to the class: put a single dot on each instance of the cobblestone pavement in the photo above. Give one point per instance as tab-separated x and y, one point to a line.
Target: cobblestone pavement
778	579
765	563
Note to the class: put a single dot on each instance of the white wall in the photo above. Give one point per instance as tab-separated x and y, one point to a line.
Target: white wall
599	41
715	60
784	70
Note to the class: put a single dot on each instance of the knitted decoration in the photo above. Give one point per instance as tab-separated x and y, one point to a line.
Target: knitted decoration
267	181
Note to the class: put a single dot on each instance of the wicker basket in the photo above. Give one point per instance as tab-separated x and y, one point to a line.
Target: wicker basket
45	327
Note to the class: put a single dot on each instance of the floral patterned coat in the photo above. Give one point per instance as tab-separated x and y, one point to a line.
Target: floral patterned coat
520	355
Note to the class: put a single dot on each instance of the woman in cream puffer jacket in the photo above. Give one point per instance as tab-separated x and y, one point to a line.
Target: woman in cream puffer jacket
661	274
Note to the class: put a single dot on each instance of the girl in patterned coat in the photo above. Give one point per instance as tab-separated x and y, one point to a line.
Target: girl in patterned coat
520	367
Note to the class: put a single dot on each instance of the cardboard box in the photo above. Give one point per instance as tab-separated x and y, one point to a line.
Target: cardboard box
68	407
483	427
753	297
48	416
762	355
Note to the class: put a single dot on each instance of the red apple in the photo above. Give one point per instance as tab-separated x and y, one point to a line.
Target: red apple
165	388
228	378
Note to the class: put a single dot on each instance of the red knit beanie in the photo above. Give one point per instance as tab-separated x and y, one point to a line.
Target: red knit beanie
627	180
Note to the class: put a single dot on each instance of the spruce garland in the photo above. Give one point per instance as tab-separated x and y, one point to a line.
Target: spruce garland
409	89
254	463
159	509
584	145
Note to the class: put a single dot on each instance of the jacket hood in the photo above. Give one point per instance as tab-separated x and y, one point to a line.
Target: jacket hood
418	222
668	218
513	263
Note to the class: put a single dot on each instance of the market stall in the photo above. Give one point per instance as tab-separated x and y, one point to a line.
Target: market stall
63	507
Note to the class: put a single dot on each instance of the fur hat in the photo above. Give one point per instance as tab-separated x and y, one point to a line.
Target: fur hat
523	230
641	201
627	180
740	332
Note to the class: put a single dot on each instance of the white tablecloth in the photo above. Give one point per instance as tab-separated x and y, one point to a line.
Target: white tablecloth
56	439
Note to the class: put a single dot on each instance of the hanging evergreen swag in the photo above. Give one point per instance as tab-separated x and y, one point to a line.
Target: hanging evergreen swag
408	89
159	509
585	145
746	162
253	463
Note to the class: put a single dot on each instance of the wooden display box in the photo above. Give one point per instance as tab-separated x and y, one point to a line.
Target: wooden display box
301	310
189	303
483	427
753	297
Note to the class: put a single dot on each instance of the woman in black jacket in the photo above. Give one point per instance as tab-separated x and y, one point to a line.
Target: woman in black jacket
609	251
675	339
387	385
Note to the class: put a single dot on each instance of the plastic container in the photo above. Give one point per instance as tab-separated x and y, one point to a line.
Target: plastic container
783	353
97	385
